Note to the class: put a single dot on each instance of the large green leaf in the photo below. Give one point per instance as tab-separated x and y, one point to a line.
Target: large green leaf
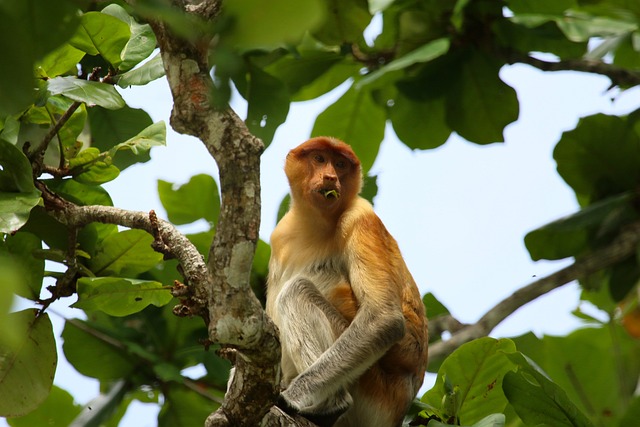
304	67
597	368
480	105
257	24
570	236
127	254
102	34
112	127
420	124
197	199
91	93
28	367
600	157
58	410
60	61
184	408
141	43
119	297
18	195
85	347
357	120
92	167
475	372
542	38
154	135
537	400
268	107
425	53
21	248
345	22
30	29
140	76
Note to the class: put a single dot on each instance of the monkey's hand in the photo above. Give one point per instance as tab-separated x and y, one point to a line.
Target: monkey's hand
323	414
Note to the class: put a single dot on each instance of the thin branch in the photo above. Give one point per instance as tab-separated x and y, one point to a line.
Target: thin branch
619	76
624	246
44	144
175	243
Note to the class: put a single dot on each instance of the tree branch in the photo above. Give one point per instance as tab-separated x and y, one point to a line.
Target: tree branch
624	246
619	76
193	266
237	320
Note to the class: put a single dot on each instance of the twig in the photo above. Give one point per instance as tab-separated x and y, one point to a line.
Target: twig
624	246
619	76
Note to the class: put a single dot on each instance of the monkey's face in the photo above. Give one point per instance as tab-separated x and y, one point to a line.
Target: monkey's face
324	173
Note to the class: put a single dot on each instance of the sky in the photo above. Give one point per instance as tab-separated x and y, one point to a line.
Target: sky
459	212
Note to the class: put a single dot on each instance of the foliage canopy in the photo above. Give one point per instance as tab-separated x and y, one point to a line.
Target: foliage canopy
432	69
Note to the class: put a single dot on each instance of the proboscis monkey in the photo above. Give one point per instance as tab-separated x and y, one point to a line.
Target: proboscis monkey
352	323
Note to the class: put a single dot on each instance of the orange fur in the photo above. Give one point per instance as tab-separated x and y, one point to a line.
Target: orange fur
333	238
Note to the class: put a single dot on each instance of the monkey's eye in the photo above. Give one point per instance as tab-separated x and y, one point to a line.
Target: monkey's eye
319	158
341	164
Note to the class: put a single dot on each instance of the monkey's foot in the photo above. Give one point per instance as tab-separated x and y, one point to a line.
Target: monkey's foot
324	415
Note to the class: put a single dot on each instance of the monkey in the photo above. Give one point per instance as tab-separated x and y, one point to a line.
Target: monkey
353	328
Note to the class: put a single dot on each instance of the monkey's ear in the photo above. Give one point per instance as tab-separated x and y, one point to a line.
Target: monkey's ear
321	420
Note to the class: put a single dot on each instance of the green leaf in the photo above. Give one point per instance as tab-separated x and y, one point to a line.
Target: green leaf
18	195
20	249
284	207
357	120
12	283
303	68
58	410
101	409
27	369
119	297
152	136
327	81
92	167
419	124
60	61
111	127
345	22
30	29
570	236
369	187
92	356
268	104
480	105
127	253
425	53
141	43
184	408
147	72
537	400
596	367
475	370
600	157
542	38
103	34
91	93
197	199
433	306
256	24
580	27
68	135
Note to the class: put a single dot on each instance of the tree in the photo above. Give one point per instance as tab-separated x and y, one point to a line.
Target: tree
432	70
